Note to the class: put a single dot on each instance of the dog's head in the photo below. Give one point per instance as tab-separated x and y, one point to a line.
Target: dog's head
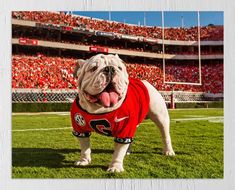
102	83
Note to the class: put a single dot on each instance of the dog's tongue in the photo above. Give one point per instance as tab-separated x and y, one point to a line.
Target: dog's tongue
108	98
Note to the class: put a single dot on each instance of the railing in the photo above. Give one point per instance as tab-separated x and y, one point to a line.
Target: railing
67	96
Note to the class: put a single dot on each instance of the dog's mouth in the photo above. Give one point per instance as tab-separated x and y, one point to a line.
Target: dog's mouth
107	98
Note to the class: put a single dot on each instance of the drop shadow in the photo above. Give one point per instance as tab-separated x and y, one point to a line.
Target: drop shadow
49	157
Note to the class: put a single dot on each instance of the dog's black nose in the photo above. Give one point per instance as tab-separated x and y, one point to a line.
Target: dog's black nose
109	70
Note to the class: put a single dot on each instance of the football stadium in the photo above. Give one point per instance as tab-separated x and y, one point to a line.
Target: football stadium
185	64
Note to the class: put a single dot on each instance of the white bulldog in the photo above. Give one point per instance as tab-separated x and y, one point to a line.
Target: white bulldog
112	104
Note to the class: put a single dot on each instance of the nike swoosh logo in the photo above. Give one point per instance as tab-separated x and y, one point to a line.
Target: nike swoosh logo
120	119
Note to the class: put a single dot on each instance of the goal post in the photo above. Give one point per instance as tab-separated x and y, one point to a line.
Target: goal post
199	56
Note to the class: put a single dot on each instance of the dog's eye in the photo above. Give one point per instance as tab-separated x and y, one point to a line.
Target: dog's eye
120	68
93	69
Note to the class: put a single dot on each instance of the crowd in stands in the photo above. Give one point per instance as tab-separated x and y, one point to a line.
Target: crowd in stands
212	76
52	72
45	72
182	72
185	34
42	72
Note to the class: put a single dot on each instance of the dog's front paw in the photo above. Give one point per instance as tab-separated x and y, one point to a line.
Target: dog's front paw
82	162
115	168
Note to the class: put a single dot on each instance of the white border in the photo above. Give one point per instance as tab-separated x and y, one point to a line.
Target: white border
6	6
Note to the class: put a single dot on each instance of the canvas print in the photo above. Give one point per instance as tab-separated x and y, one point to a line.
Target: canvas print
117	94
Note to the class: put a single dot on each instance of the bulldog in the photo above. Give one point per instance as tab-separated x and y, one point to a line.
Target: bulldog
112	104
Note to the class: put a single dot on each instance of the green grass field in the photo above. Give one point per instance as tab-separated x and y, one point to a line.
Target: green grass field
43	147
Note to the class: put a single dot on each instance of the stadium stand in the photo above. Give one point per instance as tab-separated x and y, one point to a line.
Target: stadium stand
40	34
46	72
42	72
185	34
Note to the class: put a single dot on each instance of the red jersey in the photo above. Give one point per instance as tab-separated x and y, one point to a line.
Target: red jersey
120	123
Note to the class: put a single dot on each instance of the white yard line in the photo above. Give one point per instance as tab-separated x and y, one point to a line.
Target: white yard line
198	118
42	129
42	113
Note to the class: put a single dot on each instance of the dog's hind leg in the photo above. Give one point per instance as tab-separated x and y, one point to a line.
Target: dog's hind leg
128	152
158	113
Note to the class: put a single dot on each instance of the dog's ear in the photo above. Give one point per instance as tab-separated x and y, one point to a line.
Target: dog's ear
116	55
79	64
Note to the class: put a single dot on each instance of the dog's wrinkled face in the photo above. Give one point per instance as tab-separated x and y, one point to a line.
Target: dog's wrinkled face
102	83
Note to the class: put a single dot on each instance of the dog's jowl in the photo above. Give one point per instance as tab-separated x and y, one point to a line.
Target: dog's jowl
112	104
